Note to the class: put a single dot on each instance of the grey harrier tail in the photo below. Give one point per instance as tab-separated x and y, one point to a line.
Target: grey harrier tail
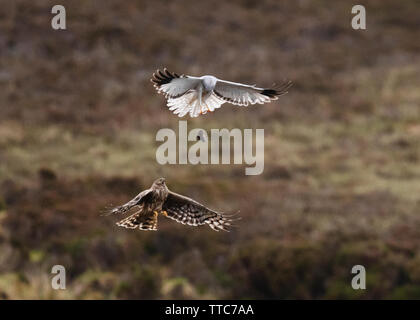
159	199
199	95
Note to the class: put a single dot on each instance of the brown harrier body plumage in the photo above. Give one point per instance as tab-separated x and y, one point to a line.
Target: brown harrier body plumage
158	199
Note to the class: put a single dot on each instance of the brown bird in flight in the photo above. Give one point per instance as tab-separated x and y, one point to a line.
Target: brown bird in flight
159	199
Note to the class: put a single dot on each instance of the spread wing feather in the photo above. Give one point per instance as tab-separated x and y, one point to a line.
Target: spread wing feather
188	211
141	220
136	201
189	103
173	85
243	95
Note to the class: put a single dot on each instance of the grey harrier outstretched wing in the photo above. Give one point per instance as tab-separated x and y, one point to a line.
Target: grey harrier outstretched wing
173	85
243	94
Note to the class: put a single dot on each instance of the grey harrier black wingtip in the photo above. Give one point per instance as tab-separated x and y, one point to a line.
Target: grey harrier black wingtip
277	91
160	77
162	74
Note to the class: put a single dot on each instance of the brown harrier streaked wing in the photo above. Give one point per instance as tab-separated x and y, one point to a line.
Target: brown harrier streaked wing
141	220
136	201
188	211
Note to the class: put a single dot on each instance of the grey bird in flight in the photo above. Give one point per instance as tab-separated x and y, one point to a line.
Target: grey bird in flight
199	95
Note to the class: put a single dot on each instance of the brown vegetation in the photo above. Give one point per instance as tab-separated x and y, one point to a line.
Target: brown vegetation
341	186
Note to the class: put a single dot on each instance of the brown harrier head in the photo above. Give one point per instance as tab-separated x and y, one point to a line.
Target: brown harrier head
159	183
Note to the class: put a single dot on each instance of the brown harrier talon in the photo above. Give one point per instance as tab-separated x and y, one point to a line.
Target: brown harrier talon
164	213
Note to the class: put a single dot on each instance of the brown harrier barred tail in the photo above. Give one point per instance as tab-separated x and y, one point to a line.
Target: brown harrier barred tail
159	199
199	95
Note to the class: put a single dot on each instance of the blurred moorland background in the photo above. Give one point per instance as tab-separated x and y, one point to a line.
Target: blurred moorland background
341	185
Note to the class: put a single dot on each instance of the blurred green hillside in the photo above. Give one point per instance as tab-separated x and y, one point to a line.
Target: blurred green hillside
341	185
